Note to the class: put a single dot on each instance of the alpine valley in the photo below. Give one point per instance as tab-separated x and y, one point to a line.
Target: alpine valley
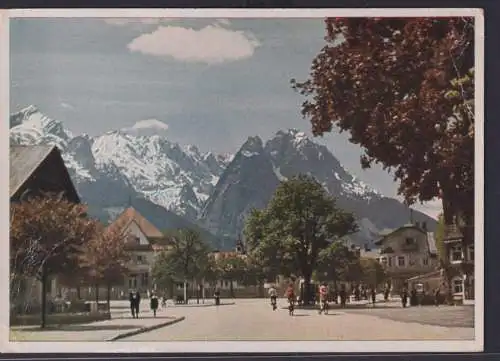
175	187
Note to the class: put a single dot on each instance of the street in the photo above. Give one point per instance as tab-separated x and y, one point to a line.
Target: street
254	320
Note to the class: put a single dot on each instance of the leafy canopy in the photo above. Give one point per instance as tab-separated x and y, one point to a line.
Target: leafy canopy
104	257
186	258
49	233
404	90
300	220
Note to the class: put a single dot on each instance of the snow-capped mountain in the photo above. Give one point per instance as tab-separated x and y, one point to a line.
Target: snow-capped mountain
179	179
257	168
176	186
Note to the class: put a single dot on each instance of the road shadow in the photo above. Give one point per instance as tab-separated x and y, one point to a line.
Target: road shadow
144	318
81	328
301	315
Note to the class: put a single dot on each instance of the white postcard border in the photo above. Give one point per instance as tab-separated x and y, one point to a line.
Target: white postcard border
254	346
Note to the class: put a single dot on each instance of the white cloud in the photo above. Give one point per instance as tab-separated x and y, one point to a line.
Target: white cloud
212	44
67	106
147	127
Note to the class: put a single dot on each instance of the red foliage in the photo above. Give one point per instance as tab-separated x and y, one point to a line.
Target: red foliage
403	88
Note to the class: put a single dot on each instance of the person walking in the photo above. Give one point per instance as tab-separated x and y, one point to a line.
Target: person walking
137	303
132	301
153	303
343	296
404	296
374	295
437	296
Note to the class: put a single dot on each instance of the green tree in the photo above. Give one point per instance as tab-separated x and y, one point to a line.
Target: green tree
46	238
334	262
404	90
300	220
232	269
373	272
185	260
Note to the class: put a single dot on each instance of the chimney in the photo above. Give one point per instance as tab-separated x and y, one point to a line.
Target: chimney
424	226
367	248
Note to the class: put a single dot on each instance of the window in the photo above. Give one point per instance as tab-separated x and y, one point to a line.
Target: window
389	261
456	253
383	260
471	252
401	261
425	261
410	241
458	285
140	259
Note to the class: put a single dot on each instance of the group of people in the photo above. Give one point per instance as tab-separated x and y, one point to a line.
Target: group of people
135	302
323	294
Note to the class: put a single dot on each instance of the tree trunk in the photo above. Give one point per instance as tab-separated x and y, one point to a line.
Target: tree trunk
78	292
108	298
231	288
307	289
43	311
97	294
185	292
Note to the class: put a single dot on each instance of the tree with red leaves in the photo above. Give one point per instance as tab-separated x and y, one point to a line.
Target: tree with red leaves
105	259
404	90
46	238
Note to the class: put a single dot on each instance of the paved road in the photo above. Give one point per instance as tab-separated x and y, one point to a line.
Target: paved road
253	320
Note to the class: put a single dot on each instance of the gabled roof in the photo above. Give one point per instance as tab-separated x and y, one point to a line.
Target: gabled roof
131	215
26	159
386	233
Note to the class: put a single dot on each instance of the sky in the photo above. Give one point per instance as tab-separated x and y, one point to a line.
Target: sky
211	82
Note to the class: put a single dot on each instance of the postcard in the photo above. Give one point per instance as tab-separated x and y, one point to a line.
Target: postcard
243	180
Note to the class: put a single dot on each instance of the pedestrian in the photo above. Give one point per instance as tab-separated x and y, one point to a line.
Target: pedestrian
343	296
137	303
437	294
132	300
374	295
404	296
153	303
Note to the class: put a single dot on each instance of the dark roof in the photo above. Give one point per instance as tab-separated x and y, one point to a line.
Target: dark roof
26	159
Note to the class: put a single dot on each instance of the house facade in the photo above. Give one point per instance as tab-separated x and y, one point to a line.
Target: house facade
459	264
407	252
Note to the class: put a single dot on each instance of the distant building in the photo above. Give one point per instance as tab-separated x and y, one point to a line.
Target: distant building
35	170
406	252
460	260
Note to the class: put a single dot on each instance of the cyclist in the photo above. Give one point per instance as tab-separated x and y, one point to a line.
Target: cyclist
290	295
273	294
323	298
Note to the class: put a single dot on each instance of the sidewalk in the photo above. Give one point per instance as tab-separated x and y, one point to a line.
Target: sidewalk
121	325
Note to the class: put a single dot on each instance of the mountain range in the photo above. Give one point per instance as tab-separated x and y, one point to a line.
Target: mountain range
179	186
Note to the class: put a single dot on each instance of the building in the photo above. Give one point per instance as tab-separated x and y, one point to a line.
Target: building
406	252
458	264
142	239
35	170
